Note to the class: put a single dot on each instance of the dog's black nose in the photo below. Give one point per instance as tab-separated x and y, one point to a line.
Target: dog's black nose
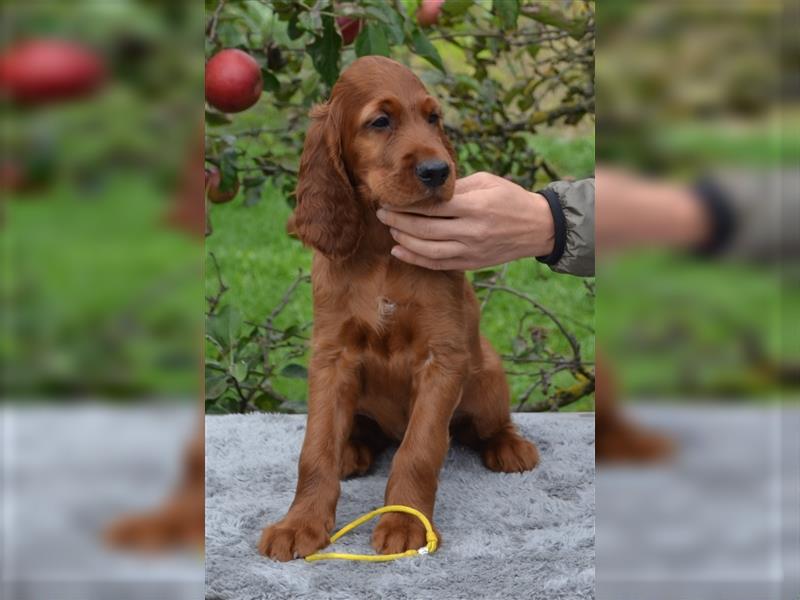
433	173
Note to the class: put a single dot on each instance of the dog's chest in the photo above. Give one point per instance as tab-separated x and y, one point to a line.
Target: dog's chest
381	325
386	309
380	301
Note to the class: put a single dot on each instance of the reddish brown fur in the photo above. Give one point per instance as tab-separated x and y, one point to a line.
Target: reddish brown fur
178	522
617	438
396	350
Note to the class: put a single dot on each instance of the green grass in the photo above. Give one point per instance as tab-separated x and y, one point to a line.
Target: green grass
568	156
682	327
762	142
101	297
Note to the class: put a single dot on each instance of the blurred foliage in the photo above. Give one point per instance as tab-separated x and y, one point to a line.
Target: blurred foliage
511	76
686	65
688	89
684	334
99	297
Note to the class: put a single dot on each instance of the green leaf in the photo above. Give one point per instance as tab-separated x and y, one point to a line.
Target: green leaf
295	371
217	118
525	102
271	83
222	406
266	403
291	331
324	51
227	169
424	48
216	386
508	11
485	275
254	360
519	143
372	40
391	20
293	29
285	7
455	8
239	371
396	28
252	195
546	14
254	181
379	12
231	34
304	22
466	84
309	84
223	327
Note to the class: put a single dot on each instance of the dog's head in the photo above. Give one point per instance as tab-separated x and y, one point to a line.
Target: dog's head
378	140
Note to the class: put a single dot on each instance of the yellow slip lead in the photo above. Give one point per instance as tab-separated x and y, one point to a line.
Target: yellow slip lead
430	536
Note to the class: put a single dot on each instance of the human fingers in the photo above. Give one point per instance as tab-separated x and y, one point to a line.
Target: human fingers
430	209
423	227
437	250
411	258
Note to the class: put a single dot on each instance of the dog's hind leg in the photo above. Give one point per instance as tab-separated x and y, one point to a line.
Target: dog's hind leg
365	444
483	419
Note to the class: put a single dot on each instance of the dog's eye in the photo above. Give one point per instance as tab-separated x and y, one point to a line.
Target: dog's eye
381	122
433	119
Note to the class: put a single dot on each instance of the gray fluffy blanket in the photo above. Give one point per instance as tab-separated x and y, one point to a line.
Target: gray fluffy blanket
508	536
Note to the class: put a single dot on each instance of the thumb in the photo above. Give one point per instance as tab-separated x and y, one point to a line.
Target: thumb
476	181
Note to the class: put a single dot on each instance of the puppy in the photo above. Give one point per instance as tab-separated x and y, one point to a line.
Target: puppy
397	354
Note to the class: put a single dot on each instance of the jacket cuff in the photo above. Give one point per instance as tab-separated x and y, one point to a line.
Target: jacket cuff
721	214
559	226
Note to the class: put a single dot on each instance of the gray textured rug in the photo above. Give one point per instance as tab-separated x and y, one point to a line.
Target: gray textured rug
720	522
509	536
66	472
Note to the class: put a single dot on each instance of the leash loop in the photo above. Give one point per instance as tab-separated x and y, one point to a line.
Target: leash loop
430	537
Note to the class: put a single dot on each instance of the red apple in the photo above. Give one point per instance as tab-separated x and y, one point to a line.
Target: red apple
213	192
349	29
27	171
233	81
428	12
12	177
36	71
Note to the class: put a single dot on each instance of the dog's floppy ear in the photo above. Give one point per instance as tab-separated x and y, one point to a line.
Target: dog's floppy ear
327	216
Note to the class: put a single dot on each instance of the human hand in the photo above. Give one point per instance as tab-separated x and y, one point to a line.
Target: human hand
635	211
489	221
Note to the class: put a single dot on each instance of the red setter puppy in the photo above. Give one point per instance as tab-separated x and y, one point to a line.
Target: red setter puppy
396	350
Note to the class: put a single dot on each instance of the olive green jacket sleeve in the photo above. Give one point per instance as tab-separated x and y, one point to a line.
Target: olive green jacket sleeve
572	205
755	214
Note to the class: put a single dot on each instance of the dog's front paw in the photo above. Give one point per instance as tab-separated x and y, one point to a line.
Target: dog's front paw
509	452
179	523
293	537
146	532
398	532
